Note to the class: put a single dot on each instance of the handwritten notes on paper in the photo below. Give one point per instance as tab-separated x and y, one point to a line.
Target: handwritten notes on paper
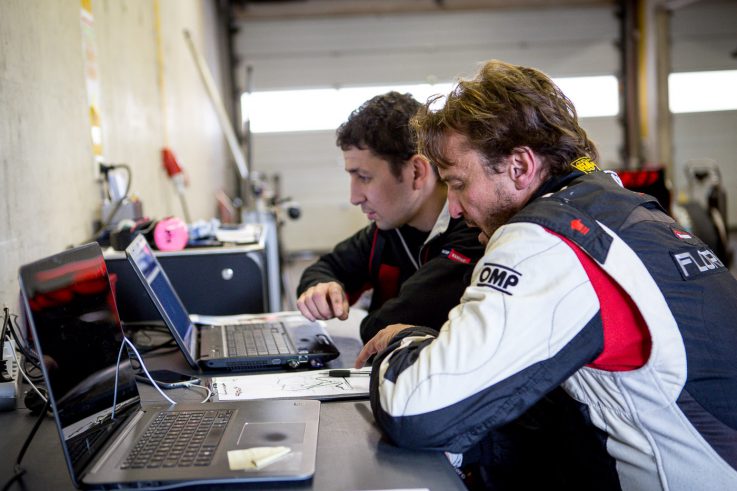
315	384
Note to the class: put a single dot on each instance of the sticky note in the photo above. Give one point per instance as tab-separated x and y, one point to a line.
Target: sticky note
255	458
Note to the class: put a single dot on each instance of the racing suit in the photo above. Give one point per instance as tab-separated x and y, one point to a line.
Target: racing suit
593	288
415	279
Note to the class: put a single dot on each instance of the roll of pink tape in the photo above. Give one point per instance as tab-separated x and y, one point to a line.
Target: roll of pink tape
170	234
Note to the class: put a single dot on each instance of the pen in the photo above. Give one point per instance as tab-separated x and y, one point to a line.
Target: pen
345	373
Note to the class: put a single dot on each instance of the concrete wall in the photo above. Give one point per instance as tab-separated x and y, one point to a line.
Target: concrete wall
50	194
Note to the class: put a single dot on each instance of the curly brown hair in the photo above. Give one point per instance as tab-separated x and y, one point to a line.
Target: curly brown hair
503	107
382	125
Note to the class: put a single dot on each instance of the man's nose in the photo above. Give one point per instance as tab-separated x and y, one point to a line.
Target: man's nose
357	196
454	207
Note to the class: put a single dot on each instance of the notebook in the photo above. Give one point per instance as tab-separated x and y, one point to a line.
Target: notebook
75	325
285	339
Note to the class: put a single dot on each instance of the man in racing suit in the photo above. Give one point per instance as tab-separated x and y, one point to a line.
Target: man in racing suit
415	257
584	285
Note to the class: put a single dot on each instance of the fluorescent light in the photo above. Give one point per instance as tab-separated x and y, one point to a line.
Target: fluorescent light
325	109
316	109
290	110
592	96
690	92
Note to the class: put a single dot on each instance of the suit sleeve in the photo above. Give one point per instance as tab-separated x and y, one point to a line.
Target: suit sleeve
348	264
428	296
528	321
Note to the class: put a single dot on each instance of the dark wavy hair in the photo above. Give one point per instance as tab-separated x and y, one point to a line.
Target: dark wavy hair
503	107
382	125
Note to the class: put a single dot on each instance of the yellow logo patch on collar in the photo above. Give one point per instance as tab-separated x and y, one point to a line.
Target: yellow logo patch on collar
585	165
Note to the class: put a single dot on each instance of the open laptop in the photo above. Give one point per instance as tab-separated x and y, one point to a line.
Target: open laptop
237	343
75	325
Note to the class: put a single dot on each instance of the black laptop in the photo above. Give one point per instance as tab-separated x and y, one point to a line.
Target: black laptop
74	322
254	342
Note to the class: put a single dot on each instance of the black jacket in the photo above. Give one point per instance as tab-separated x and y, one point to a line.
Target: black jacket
417	290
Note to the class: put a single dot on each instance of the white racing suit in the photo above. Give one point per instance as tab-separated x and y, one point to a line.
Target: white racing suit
593	288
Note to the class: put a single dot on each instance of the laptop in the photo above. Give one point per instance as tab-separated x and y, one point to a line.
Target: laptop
238	343
75	325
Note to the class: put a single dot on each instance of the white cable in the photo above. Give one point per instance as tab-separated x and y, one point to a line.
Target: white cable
209	392
148	375
22	372
145	370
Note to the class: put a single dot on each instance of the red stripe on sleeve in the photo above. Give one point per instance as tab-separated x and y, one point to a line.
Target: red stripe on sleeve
627	341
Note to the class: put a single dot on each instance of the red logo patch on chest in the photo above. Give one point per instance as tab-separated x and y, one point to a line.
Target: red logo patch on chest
456	256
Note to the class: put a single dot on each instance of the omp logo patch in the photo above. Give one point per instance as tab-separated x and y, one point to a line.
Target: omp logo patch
695	262
585	164
498	277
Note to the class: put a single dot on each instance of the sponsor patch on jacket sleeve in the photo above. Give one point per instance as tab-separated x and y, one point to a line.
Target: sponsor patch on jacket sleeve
697	261
681	234
498	277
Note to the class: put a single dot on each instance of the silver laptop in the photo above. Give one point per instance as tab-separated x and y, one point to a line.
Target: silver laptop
75	325
275	340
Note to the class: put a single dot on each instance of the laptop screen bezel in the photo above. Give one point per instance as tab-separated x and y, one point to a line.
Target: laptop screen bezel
131	252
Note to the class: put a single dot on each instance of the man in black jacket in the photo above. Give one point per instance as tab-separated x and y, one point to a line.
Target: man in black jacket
414	256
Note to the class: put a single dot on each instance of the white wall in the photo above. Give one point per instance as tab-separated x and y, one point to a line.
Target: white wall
47	179
403	49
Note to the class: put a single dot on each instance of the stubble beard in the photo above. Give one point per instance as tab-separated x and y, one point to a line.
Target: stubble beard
500	215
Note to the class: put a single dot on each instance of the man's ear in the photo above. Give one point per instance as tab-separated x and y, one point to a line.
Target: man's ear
524	167
421	170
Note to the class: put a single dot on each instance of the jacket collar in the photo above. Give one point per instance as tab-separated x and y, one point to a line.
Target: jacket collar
441	224
555	184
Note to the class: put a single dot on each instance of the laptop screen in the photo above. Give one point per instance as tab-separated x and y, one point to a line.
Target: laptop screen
162	291
71	310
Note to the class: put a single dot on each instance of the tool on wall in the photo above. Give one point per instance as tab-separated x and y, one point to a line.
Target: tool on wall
217	103
178	177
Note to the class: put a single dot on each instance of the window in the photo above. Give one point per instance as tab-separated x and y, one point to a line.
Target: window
326	109
690	92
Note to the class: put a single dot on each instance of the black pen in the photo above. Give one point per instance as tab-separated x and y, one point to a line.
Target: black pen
346	373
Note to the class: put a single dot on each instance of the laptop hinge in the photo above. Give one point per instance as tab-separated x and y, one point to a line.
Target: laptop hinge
129	426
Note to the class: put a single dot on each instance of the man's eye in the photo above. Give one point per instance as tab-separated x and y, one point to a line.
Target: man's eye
455	185
364	178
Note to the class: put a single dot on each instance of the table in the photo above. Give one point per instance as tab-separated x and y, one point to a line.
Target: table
351	454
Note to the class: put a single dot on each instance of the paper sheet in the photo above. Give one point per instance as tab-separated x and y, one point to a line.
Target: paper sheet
313	384
246	234
255	458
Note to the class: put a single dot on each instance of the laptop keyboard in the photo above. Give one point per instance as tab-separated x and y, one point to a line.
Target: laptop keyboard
179	439
255	340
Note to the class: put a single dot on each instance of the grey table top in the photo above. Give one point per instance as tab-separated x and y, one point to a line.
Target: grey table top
352	454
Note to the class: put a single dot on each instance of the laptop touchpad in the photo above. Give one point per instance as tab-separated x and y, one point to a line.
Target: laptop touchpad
271	434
